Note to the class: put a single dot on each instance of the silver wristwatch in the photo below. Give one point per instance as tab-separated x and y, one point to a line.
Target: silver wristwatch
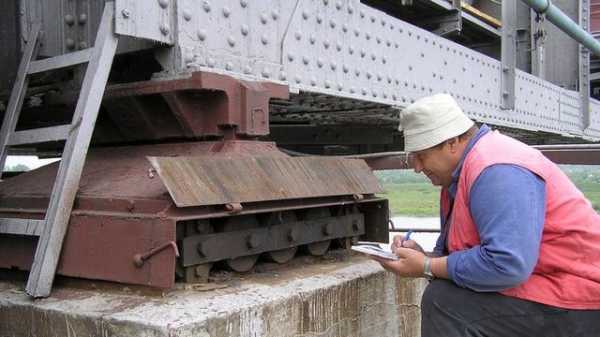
427	269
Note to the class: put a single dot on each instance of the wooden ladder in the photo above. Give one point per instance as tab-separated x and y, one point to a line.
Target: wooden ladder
52	229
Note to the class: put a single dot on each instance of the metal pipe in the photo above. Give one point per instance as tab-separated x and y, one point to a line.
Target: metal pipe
564	23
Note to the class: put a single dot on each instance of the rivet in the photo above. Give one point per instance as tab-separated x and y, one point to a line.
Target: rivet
231	41
290	57
350	10
163	3
282	75
338	5
326	44
363	91
328	229
327	84
332	24
210	62
292	235
202	34
305	60
312	39
333	66
313	81
357	72
372	19
369	75
340	87
378	40
350	50
83	45
244	29
275	15
352	90
164	29
344	28
319	19
82	19
125	13
201	249
264	39
320	62
338	46
226	12
298	79
305	15
69	19
368	36
247	70
244	3
363	53
229	66
298	35
187	15
362	14
253	241
206	6
70	43
356	32
265	72
345	68
325	2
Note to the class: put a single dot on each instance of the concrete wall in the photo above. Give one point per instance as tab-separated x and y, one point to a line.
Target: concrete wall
350	298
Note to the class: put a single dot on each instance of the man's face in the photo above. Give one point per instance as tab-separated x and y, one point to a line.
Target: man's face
437	163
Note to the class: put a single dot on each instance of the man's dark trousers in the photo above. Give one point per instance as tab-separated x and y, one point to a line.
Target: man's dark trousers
450	311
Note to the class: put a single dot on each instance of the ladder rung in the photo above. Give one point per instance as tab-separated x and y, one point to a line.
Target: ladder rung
41	135
20	226
61	61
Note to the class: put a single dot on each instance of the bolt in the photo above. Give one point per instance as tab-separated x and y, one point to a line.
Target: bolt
253	241
202	249
231	41
164	29
82	19
163	3
327	229
69	19
70	43
202	34
206	6
292	235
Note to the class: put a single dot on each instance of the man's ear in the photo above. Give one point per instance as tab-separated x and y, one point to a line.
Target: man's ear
453	144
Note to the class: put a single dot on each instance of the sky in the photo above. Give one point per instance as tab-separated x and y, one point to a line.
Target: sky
30	161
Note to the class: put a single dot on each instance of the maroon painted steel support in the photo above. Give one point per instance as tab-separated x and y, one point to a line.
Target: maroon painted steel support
207	104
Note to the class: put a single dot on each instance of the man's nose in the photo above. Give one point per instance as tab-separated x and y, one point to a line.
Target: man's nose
416	164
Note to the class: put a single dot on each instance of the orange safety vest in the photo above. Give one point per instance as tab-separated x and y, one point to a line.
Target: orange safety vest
567	273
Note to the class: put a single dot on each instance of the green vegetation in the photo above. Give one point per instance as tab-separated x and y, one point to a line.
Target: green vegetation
17	168
412	194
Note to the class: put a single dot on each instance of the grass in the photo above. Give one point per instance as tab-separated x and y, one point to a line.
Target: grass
412	194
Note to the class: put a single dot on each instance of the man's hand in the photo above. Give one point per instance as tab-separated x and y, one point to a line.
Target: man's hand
400	242
409	264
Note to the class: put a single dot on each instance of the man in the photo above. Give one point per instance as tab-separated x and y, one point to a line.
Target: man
519	247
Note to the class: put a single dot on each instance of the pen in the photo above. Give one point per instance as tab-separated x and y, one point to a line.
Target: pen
406	238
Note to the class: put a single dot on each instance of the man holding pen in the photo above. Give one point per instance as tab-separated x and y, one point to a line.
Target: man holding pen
519	247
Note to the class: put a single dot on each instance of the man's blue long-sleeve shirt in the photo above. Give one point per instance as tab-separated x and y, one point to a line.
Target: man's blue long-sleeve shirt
507	204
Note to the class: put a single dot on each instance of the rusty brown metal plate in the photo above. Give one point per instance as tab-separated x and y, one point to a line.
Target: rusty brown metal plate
199	181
